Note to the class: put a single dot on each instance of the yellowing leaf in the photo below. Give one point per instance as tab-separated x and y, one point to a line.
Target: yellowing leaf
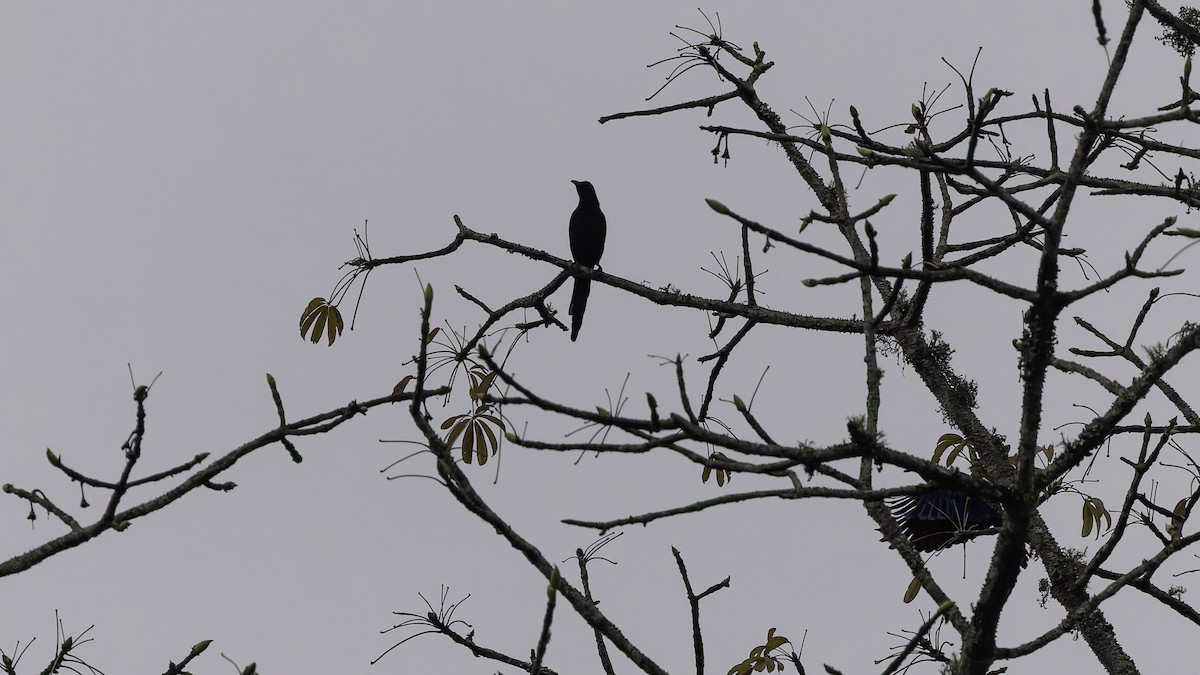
1093	513
480	386
319	326
399	388
309	318
460	427
481	448
323	319
468	442
494	420
493	444
306	317
1175	527
944	443
335	325
914	587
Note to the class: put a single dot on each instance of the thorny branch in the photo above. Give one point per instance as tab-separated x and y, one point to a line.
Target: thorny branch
955	165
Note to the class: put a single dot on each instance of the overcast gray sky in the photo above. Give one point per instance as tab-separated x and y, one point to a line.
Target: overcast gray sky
177	180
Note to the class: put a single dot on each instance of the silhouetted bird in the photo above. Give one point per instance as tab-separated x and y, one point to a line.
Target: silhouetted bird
942	517
587	245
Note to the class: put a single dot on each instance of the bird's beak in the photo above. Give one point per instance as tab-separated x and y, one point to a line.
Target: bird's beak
575	182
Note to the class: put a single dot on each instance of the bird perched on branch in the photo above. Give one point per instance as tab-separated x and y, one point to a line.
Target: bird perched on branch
587	231
943	517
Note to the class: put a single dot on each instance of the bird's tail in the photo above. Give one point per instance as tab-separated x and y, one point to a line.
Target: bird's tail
579	296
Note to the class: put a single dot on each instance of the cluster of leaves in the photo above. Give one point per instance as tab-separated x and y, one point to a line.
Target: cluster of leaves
722	475
768	657
1093	513
1175	527
324	319
480	430
956	445
474	429
477	431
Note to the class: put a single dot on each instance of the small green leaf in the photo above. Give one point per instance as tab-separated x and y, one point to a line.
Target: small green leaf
954	454
946	442
717	206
